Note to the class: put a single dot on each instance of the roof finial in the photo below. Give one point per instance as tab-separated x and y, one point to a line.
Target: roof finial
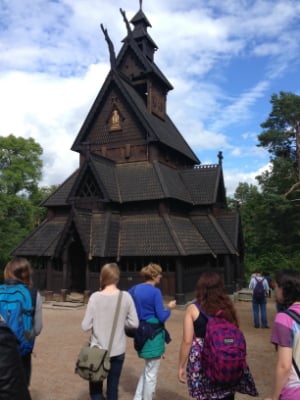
126	22
110	47
220	157
141	3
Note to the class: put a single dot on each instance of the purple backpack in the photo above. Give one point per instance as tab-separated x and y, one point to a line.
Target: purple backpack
224	350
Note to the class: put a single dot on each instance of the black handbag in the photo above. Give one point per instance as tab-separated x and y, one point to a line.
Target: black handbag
93	363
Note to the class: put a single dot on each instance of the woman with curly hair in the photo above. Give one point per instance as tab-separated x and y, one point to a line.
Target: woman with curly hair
211	299
152	315
285	337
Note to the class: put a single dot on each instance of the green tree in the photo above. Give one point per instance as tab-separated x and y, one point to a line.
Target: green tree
20	172
271	213
20	165
281	137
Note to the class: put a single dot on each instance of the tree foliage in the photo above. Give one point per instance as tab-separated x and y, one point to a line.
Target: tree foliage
20	165
271	212
20	195
281	137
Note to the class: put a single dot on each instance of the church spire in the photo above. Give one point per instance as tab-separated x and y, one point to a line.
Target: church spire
141	3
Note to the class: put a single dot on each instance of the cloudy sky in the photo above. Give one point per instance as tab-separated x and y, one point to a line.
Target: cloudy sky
224	58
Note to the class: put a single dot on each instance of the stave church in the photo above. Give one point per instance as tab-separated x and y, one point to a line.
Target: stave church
139	194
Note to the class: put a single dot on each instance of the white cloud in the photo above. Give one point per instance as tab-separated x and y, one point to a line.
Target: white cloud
54	60
233	177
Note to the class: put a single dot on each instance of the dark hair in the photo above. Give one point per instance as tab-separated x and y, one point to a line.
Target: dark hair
212	296
19	269
289	281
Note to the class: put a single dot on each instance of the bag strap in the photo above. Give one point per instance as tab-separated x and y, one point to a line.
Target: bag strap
296	317
259	280
201	310
115	322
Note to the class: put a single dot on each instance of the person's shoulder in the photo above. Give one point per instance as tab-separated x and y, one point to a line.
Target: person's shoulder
126	295
95	295
282	318
192	308
259	278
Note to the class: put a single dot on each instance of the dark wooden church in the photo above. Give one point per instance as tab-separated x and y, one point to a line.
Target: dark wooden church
139	195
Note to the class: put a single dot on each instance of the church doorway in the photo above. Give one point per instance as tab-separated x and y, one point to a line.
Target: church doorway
77	266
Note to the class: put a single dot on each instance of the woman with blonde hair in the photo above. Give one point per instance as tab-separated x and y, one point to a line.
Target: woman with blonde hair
152	315
99	317
19	272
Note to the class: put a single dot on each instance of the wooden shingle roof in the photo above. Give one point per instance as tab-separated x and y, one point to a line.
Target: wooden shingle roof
142	181
158	130
152	235
202	183
60	196
43	240
106	234
214	234
231	225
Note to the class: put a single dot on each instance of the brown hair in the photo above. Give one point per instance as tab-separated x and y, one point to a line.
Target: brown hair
19	269
151	271
109	275
212	296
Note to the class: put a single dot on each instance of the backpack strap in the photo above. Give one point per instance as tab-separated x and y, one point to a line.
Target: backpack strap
293	314
201	310
296	317
33	294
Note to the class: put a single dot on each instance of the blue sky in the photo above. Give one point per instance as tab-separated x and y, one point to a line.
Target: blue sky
224	58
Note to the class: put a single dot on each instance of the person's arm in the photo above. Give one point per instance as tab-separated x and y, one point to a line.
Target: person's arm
132	320
87	322
266	285
38	318
160	311
186	342
282	371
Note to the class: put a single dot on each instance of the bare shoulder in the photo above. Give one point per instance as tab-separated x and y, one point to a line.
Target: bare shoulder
192	311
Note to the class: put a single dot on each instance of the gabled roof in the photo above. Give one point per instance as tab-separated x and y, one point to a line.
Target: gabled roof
231	224
89	169
150	68
143	181
148	235
60	195
156	129
202	183
107	234
214	234
43	240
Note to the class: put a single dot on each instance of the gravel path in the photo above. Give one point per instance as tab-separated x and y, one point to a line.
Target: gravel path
57	347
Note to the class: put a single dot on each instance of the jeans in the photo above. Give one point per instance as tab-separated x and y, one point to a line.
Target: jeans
147	383
96	388
256	306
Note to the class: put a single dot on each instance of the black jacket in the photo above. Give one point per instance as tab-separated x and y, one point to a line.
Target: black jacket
12	377
147	330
